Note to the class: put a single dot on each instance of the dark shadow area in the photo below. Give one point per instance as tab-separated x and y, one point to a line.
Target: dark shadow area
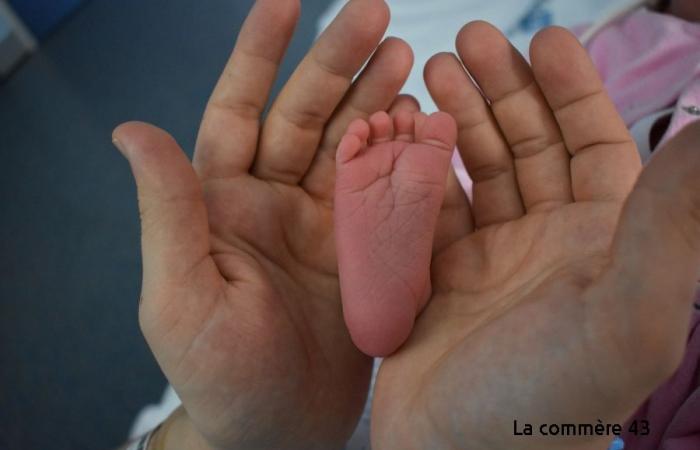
74	367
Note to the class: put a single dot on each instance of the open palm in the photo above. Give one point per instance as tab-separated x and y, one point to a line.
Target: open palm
541	312
240	300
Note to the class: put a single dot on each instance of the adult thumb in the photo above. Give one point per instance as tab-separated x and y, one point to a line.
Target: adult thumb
655	263
174	229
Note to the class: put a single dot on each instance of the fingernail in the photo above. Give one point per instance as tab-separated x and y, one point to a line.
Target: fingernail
117	143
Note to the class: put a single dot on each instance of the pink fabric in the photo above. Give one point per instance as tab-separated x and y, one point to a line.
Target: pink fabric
650	62
647	60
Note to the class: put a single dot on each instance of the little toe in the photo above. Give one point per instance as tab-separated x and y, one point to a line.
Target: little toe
355	139
359	128
404	125
439	129
350	145
382	127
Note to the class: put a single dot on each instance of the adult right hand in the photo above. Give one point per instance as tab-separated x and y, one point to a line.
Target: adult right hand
240	299
567	299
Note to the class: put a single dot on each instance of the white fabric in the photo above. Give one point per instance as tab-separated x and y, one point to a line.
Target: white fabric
153	415
641	132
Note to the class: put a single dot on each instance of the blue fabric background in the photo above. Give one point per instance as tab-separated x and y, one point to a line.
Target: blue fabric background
43	16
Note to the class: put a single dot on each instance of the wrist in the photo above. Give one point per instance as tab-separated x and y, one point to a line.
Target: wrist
178	433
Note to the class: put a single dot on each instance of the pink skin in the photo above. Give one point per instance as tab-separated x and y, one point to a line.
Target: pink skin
685	9
390	184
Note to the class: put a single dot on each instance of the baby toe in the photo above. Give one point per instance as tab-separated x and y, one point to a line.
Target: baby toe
404	124
350	145
381	127
359	128
439	129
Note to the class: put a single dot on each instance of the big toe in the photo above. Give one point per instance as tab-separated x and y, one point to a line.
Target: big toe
438	129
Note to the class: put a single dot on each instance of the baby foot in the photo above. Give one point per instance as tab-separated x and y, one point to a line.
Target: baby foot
390	184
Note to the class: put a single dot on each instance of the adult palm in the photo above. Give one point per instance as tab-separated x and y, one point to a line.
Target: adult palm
240	300
560	305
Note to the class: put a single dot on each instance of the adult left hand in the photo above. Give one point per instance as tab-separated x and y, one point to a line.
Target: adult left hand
240	298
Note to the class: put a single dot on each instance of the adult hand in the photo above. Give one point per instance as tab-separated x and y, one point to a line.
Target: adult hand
240	300
568	299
